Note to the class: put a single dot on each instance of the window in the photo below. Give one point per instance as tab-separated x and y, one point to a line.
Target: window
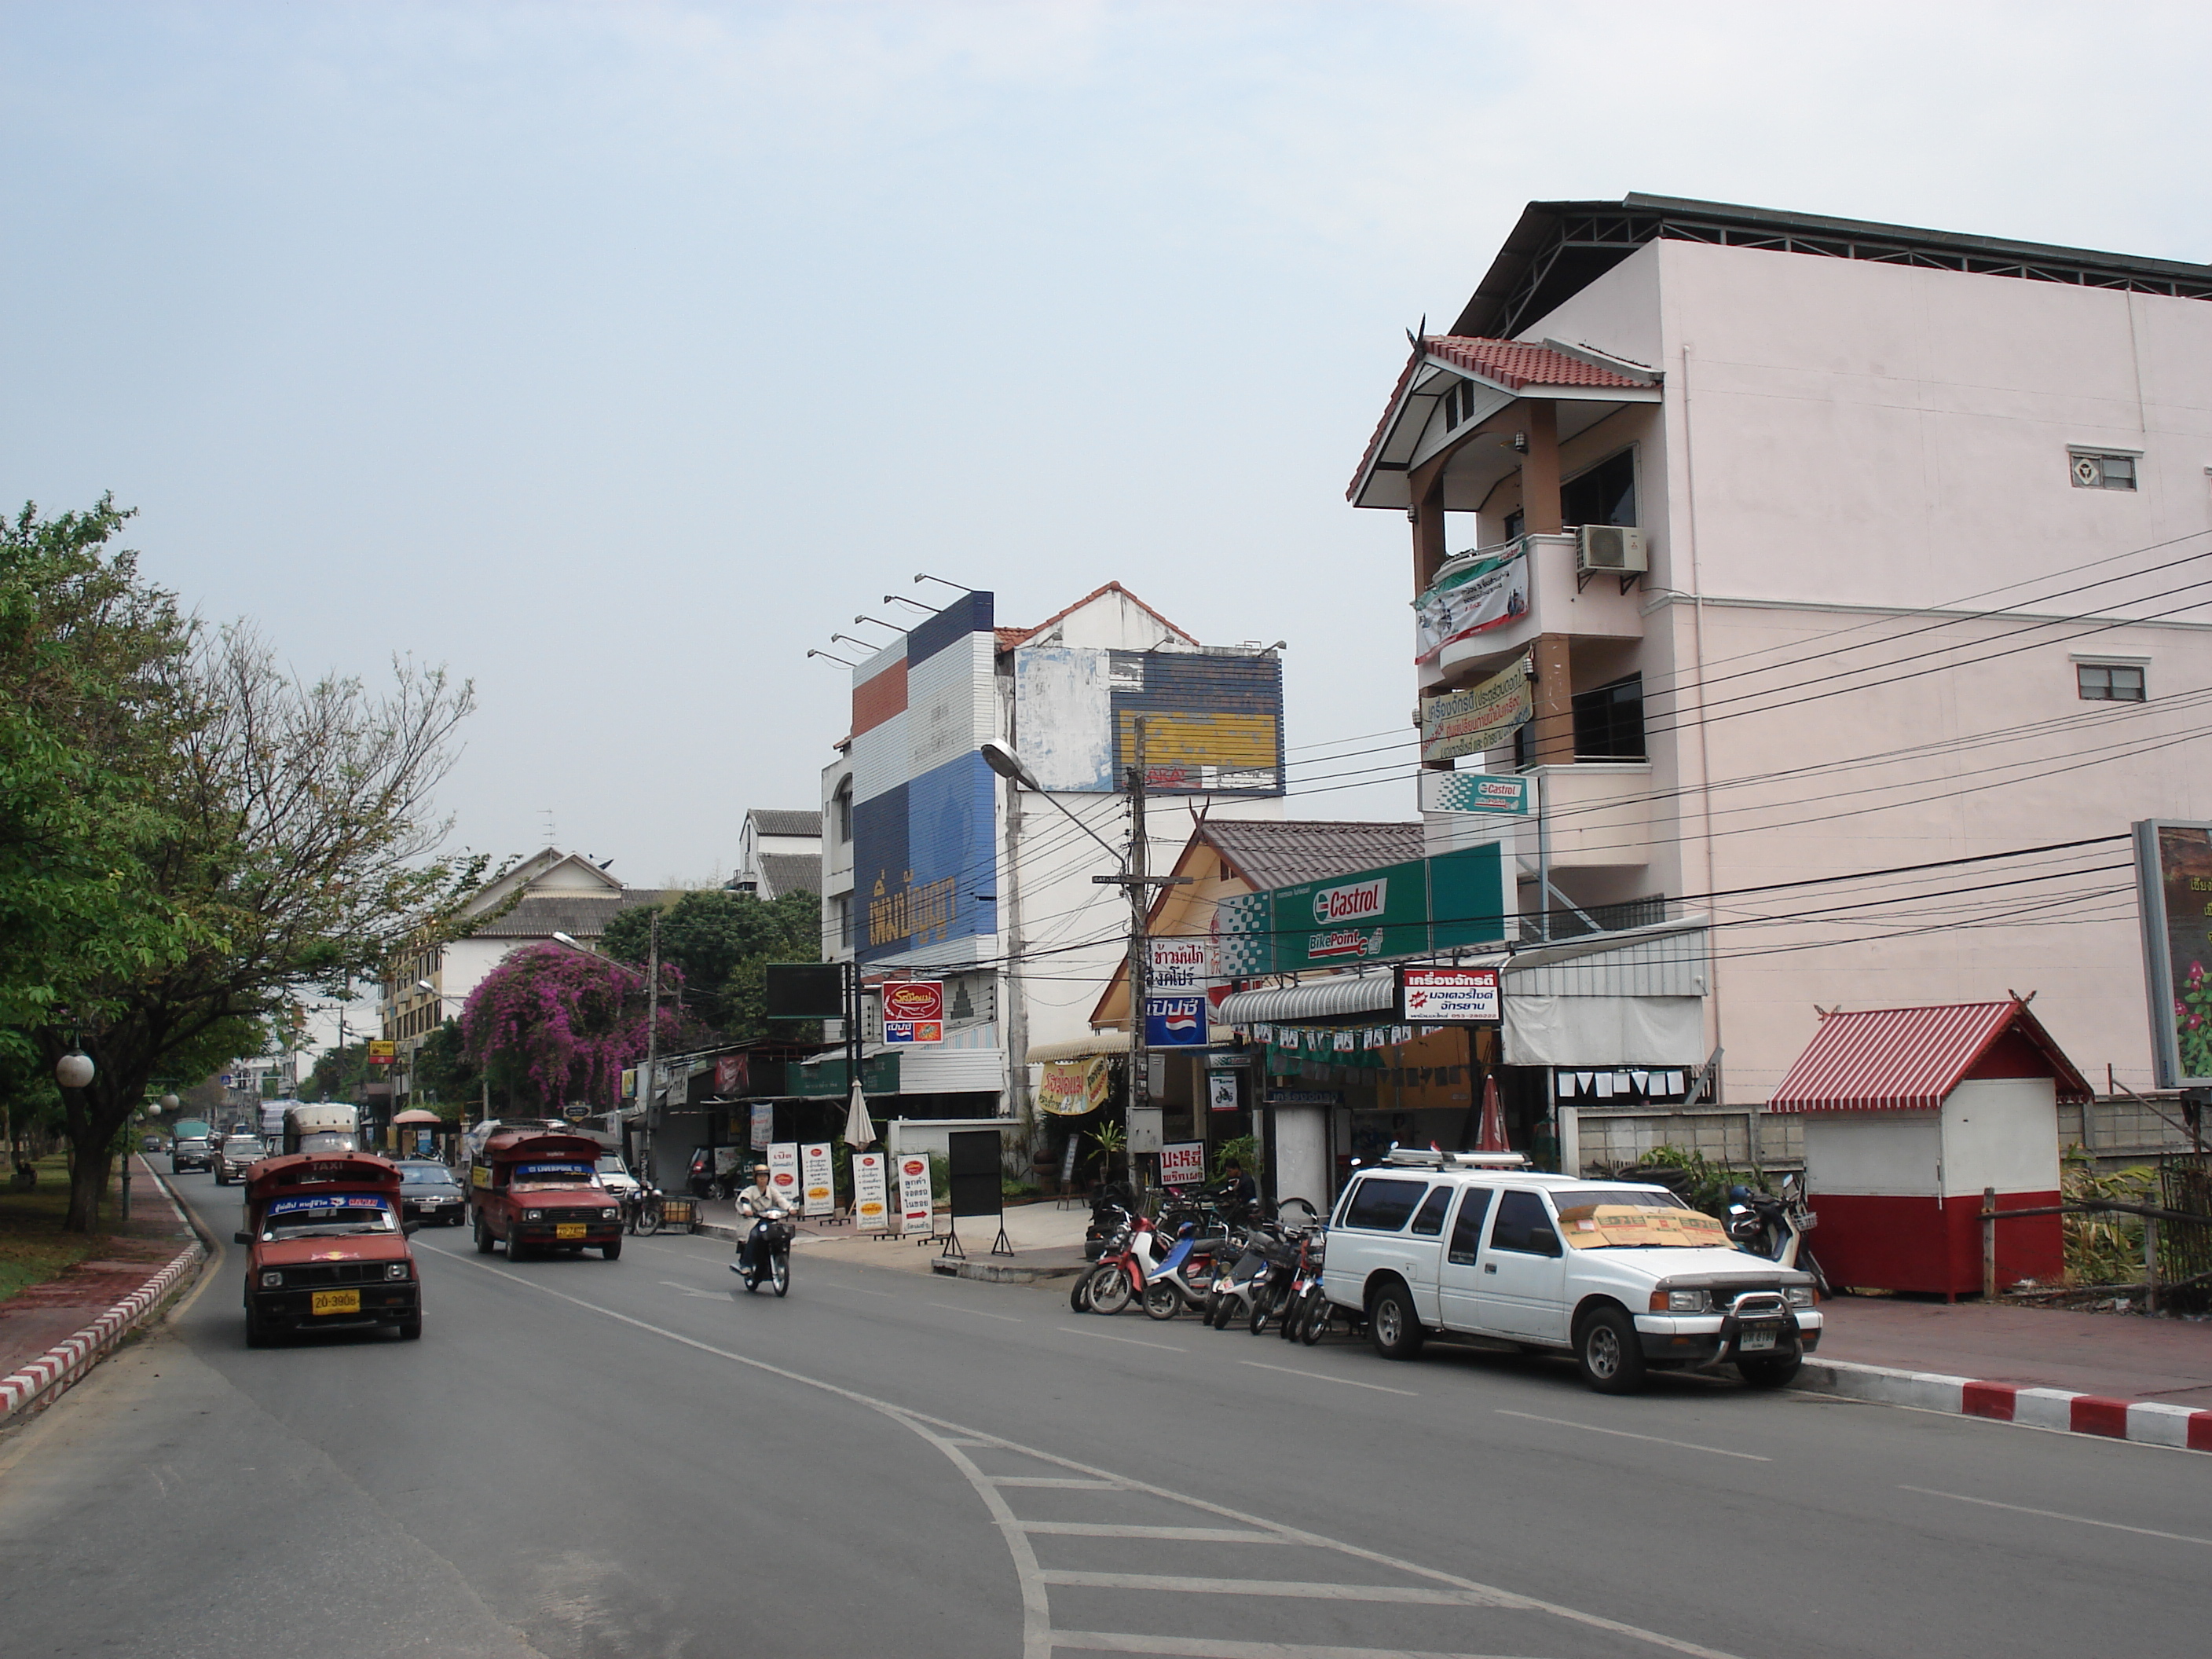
841	810
841	920
1604	494
1459	404
1430	1222
1466	1232
2109	682
1381	1206
1609	722
1514	520
1522	1226
2102	470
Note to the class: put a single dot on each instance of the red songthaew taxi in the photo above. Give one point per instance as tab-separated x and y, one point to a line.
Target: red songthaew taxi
325	1248
539	1189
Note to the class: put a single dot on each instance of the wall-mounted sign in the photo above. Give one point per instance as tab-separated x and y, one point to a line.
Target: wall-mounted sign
1477	717
1182	1163
913	1011
1449	996
1474	792
1175	1022
1221	1091
381	1053
1070	1087
1349	921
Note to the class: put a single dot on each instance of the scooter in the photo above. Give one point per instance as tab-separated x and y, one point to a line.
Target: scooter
1761	1223
1134	1253
1240	1285
1308	1311
1184	1279
771	1251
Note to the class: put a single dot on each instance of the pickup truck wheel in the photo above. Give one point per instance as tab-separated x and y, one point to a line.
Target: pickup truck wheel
1396	1333
1609	1352
612	1252
484	1238
257	1334
410	1330
1778	1372
515	1250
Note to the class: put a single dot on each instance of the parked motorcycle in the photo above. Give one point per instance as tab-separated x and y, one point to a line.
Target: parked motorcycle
1185	1278
1241	1281
1762	1223
1308	1311
1136	1251
770	1241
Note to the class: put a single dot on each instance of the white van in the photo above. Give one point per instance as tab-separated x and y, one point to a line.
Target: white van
1626	1277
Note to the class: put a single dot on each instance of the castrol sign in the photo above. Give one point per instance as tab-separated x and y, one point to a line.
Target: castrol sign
1356	901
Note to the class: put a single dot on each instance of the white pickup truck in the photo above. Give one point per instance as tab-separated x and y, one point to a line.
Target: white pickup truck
1626	1277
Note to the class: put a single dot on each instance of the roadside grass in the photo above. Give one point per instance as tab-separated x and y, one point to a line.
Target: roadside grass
32	1247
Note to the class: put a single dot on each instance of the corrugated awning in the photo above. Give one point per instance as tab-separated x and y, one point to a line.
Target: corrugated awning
1098	1042
1322	998
1908	1059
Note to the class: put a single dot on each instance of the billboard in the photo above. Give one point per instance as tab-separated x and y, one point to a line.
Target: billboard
1477	717
1366	916
2173	877
1213	721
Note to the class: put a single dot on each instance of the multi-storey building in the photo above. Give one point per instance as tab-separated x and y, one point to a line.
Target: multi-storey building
1915	580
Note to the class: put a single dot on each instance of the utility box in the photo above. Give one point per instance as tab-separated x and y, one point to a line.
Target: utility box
1910	1115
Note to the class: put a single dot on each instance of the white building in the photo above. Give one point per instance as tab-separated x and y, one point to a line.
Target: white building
1926	520
779	853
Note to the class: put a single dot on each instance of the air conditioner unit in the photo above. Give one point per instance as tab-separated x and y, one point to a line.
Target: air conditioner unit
1614	549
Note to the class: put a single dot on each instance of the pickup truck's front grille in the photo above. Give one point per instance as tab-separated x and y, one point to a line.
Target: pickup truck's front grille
1758	1304
341	1273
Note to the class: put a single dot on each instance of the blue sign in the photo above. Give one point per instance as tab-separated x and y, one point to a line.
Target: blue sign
327	1201
1175	1021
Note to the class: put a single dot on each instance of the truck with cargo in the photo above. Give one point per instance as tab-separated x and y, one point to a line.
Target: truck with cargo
328	1127
538	1189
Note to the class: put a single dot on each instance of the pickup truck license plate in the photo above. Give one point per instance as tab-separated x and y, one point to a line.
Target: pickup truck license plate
330	1301
1754	1340
569	1229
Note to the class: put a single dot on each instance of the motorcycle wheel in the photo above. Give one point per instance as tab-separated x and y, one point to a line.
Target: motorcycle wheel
779	1271
1079	1294
1162	1300
1256	1321
1316	1319
1110	1289
648	1221
749	1278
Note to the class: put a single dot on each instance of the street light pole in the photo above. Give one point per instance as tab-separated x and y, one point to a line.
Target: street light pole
1141	1088
651	1042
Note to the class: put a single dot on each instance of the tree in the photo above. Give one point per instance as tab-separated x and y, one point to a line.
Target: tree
338	1074
444	1073
254	834
551	1024
722	940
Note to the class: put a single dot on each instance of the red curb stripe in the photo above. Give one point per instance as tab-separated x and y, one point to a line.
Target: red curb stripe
1991	1400
2200	1431
2097	1415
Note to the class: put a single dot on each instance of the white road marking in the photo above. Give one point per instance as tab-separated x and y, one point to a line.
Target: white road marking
1060	1483
1323	1376
1133	1342
2054	1514
688	1290
954	1307
1418	1595
1199	1647
863	1290
1036	1623
1179	1534
1623	1434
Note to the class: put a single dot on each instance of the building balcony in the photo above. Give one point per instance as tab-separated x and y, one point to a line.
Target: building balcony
1558	600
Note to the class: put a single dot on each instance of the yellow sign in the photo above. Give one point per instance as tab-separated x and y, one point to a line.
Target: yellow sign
381	1053
1477	717
1072	1087
569	1230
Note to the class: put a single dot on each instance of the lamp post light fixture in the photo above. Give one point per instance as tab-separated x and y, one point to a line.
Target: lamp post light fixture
74	1069
170	1103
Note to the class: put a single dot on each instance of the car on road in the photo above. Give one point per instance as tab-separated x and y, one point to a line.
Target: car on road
326	1248
615	1175
150	1143
240	1153
430	1192
538	1189
1626	1277
189	1152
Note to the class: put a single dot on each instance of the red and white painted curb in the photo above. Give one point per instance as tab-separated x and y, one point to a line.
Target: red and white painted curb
2146	1421
63	1364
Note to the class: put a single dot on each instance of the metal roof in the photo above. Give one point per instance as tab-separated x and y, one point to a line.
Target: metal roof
1910	1058
1283	853
783	874
582	916
1321	999
779	821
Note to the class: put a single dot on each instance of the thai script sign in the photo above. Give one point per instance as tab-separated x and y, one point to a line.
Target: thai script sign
1175	1021
1477	717
817	1184
1184	964
763	1124
783	1172
914	1205
1471	599
913	1011
870	1192
1182	1163
1449	996
1073	1087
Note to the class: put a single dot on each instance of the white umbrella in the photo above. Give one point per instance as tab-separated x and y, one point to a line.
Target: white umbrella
860	1129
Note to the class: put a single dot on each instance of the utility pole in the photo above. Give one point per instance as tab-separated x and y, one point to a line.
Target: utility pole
1139	948
651	1042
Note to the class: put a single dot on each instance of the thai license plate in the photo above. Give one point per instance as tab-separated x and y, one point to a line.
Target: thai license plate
569	1229
334	1302
1754	1340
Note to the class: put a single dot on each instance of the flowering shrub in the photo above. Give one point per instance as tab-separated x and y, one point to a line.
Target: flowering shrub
551	1024
2192	1022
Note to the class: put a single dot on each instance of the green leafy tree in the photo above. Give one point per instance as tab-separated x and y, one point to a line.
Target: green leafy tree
338	1074
444	1073
723	940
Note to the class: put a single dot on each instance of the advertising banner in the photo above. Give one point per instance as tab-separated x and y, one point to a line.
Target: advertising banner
783	1172
1473	599
1344	920
763	1124
1221	1091
1449	996
913	1011
817	1182
1184	964
1213	723
730	1074
2173	877
916	1209
1479	716
1474	792
872	1210
1182	1163
1073	1087
1175	1022
382	1052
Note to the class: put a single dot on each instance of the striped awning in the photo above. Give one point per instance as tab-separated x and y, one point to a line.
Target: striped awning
1332	998
1908	1059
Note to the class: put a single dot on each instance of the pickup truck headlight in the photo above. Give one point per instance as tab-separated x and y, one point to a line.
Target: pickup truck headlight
610	1215
533	1215
1798	1295
1689	1302
273	1280
396	1270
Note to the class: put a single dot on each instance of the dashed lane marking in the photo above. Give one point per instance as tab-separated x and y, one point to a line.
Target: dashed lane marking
1195	1647
1623	1434
954	1307
1417	1595
1178	1534
1323	1376
1133	1342
2054	1514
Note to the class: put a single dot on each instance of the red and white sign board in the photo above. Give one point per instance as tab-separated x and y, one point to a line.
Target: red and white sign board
872	1210
816	1179
913	1011
1182	1163
915	1205
783	1173
1451	996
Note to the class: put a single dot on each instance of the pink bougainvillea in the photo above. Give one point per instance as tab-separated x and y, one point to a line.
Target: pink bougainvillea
554	1025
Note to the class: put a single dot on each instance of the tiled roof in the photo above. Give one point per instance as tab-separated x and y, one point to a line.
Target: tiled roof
1513	365
1908	1059
1282	854
1011	637
790	873
771	820
582	916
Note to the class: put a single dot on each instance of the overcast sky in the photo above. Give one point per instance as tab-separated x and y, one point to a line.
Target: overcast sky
614	354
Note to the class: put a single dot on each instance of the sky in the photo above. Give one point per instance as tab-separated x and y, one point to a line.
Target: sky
614	354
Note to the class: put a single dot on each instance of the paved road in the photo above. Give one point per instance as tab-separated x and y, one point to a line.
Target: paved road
588	1458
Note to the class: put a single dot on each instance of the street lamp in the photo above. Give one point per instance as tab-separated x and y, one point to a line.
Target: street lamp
74	1069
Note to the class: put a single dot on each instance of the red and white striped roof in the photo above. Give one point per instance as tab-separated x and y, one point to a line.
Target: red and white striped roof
1908	1059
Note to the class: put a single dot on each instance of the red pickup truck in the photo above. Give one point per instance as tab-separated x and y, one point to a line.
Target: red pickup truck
326	1248
538	1189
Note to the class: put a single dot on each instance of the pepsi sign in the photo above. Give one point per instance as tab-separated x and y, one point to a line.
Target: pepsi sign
1175	1021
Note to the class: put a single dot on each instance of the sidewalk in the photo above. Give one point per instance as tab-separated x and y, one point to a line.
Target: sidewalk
1047	1241
50	1333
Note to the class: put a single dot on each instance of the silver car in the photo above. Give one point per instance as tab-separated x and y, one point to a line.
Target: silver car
240	1153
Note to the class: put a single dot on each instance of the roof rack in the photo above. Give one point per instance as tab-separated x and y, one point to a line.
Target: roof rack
1430	1159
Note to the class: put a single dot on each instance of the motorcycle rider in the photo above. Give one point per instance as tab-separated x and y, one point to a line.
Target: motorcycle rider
759	1204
